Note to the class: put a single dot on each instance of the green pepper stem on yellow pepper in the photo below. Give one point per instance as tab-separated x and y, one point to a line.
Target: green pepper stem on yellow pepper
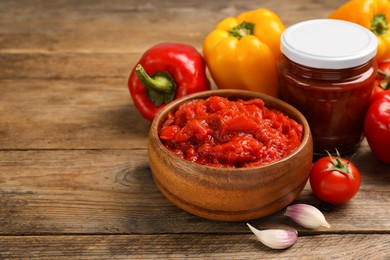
242	52
379	25
242	30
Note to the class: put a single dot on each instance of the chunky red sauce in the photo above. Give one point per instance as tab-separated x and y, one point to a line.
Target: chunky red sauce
222	133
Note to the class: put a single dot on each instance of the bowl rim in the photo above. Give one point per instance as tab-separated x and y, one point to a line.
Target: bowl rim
230	93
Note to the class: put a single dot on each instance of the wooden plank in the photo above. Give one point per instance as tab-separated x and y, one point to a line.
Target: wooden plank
67	66
74	175
193	246
60	114
128	26
112	191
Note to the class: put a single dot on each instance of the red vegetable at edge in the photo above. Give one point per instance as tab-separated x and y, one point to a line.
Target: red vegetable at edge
334	179
165	72
382	83
377	126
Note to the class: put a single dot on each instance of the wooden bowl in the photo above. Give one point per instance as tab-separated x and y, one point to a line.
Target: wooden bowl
230	194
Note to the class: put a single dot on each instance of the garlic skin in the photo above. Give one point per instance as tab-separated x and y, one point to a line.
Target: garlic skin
306	216
276	238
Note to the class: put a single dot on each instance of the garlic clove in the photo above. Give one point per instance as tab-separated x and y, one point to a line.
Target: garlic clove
276	238
306	216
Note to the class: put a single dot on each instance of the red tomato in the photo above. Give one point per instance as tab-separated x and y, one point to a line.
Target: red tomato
385	67
334	180
377	127
383	80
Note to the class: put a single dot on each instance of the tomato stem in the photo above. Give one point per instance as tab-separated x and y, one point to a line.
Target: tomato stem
385	85
338	165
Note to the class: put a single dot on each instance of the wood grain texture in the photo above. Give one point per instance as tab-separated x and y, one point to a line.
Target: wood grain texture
75	181
193	246
69	114
112	191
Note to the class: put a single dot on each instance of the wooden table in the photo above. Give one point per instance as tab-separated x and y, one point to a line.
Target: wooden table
74	175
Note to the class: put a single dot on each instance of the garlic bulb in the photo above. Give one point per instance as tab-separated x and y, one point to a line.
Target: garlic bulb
306	216
276	238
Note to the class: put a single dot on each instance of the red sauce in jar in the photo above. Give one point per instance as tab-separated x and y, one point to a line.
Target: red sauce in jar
223	133
327	72
334	102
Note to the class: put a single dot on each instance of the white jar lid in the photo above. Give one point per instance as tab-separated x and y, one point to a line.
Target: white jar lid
328	44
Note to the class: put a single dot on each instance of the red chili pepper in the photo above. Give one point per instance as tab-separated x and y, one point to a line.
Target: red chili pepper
377	126
176	70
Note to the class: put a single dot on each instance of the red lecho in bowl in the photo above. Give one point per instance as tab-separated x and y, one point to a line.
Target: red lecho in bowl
251	174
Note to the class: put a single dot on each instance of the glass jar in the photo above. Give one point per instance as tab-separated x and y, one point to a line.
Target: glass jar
327	71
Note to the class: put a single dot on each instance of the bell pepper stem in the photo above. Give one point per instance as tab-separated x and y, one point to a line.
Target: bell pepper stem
160	87
379	24
158	83
242	30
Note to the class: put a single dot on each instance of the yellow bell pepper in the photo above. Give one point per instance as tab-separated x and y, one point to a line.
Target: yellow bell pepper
373	15
242	52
